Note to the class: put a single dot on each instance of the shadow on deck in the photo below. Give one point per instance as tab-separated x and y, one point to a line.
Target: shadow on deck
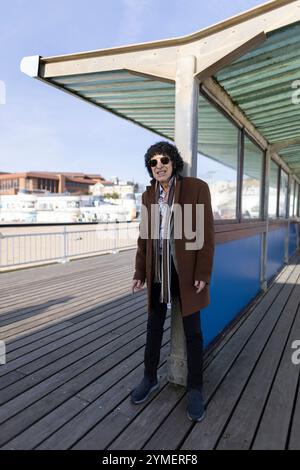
75	343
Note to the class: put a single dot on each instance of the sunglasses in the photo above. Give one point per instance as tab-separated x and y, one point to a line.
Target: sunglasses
163	160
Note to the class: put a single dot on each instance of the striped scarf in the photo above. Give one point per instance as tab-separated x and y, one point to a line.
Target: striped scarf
162	258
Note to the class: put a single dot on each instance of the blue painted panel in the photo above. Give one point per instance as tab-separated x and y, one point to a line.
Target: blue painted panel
235	281
275	252
292	239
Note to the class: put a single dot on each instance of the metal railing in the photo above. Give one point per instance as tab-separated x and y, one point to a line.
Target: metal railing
47	243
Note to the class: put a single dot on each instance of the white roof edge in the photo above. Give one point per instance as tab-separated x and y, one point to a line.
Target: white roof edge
256	11
30	65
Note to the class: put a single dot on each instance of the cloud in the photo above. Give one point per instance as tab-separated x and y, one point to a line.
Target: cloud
133	16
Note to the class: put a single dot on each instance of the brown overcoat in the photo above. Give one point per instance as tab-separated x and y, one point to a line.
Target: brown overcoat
191	264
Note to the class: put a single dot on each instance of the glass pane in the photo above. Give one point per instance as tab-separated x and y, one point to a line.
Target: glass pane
283	194
273	182
252	180
296	200
292	196
217	158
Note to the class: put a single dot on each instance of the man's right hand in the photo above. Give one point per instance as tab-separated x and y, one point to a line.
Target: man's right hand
137	285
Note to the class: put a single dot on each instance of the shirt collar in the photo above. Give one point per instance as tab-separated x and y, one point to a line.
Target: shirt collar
161	189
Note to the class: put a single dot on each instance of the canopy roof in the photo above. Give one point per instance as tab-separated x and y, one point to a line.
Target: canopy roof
261	84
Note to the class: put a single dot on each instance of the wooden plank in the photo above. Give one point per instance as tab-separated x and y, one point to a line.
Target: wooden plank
240	431
22	305
166	436
105	379
49	272
66	292
10	378
207	434
39	358
140	429
109	318
273	430
95	437
105	431
21	287
52	315
135	437
22	295
19	413
94	339
170	437
71	363
41	415
31	437
87	317
107	399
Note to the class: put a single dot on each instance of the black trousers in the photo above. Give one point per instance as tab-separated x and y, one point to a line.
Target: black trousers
192	330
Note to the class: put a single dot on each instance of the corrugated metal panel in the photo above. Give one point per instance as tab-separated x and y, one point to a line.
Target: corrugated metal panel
292	157
261	84
146	101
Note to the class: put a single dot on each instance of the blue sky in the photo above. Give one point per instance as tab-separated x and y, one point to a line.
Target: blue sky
44	129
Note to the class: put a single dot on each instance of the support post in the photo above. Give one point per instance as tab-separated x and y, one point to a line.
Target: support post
186	140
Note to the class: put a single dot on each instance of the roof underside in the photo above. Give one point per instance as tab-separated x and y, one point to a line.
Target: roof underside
260	83
148	102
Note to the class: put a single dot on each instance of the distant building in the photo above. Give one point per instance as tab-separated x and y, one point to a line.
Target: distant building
109	187
63	208
46	181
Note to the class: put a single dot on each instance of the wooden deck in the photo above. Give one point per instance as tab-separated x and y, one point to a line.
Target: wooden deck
75	340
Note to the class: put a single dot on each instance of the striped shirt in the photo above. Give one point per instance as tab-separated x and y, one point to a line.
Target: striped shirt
163	207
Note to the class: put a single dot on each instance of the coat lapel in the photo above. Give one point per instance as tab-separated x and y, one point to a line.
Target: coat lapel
151	193
177	190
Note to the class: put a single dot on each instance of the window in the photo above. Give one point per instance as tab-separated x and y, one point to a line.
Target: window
273	189
292	198
218	158
283	193
296	209
252	180
9	184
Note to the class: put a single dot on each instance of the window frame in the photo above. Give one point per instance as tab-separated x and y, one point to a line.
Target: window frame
277	191
286	216
263	179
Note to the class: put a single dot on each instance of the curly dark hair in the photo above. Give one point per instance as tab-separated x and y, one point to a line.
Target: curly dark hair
167	149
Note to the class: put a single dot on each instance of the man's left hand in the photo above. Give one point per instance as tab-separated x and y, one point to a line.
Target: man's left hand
199	286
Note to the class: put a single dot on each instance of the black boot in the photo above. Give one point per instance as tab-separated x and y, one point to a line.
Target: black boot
143	390
195	405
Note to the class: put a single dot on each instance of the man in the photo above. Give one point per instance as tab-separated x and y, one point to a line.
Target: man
172	266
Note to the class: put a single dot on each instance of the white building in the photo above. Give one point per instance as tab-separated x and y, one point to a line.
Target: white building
61	208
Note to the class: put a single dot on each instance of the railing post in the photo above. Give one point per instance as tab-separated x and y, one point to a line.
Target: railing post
65	255
1	236
116	234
